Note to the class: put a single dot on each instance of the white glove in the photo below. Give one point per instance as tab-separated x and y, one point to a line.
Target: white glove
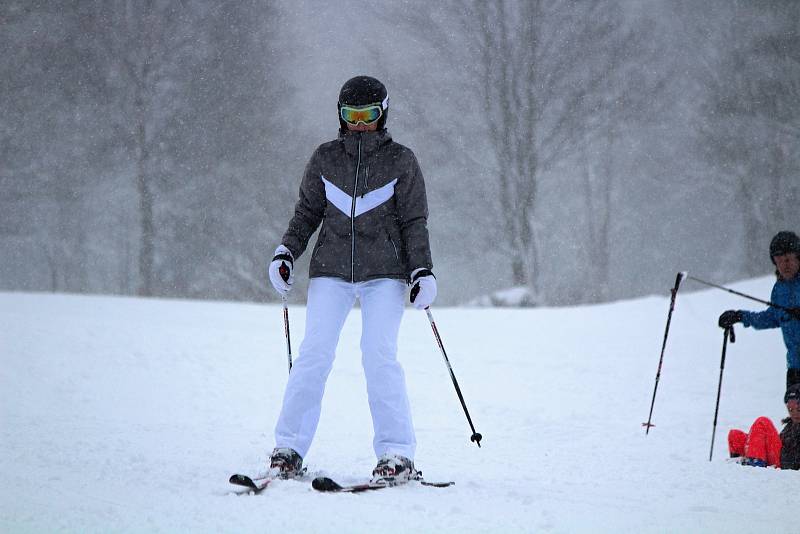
423	288
280	270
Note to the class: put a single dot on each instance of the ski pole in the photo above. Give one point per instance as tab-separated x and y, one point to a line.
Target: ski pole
476	437
768	303
674	292
286	331
728	333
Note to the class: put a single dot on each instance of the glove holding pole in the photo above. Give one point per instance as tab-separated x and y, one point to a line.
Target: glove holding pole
423	288
729	318
280	270
282	278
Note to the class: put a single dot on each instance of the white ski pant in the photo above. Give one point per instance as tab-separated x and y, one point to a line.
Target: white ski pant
329	302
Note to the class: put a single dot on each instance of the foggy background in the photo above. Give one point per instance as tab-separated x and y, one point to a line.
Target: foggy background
585	150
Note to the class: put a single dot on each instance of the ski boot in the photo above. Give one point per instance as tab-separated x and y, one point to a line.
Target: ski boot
393	469
285	463
754	462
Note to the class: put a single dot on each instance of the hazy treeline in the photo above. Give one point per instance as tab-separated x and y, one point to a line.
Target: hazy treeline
585	150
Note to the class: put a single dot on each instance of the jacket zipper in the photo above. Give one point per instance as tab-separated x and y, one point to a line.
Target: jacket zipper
396	255
353	218
320	240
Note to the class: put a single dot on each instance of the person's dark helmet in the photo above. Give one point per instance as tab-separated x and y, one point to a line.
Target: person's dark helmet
362	91
793	392
783	243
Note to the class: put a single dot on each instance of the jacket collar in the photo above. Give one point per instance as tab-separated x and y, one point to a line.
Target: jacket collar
370	141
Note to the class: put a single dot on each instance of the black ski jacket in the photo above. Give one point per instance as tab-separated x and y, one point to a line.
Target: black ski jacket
369	195
790	448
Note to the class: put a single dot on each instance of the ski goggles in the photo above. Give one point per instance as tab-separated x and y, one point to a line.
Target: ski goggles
362	114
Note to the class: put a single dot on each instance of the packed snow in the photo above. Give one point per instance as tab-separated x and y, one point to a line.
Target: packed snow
129	415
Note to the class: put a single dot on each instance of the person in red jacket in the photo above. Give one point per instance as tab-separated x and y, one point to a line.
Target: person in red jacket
763	446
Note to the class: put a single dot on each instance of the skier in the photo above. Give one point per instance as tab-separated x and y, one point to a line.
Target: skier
368	193
763	446
784	250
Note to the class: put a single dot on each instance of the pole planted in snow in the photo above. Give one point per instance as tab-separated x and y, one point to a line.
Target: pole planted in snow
476	437
727	334
678	279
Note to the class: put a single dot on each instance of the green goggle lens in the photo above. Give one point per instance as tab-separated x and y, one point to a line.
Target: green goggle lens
363	115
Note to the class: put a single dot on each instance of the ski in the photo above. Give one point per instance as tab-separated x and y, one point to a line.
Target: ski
259	484
329	485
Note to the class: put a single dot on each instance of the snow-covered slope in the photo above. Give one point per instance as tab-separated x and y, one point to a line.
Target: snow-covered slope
129	415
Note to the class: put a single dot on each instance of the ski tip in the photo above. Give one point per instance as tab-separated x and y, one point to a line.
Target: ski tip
437	484
243	480
325	484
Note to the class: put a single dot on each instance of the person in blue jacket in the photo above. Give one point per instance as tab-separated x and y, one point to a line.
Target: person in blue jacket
784	250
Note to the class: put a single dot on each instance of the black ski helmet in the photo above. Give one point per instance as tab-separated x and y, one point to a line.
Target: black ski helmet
792	393
362	91
782	243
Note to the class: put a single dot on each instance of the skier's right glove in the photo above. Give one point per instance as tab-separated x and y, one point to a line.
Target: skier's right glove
280	270
794	313
729	318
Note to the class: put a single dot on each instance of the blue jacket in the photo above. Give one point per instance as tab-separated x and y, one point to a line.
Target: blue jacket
785	293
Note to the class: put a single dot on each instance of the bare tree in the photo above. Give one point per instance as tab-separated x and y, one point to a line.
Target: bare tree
136	145
631	97
752	122
542	71
147	48
232	193
42	174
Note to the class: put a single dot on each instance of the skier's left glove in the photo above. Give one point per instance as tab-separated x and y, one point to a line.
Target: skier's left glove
280	270
729	318
794	313
423	288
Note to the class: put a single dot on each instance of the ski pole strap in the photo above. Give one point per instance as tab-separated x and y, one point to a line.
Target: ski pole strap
284	257
420	273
